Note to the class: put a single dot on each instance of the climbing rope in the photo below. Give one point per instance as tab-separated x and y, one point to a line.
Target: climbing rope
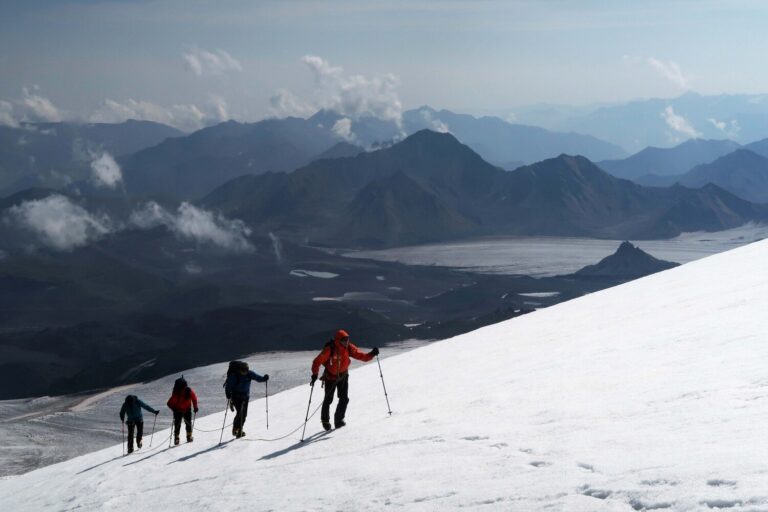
264	439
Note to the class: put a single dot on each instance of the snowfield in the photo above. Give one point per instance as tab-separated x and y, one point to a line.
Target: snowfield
652	395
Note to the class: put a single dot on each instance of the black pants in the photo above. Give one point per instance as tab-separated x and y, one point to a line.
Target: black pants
341	385
139	427
177	416
241	411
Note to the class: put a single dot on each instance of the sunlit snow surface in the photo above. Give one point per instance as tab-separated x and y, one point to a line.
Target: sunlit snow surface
549	256
41	431
649	395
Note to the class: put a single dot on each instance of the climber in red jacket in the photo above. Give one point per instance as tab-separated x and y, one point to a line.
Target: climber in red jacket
183	400
335	357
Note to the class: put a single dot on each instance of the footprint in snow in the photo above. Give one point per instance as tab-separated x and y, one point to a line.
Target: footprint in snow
586	467
475	438
716	482
540	463
722	503
600	494
658	482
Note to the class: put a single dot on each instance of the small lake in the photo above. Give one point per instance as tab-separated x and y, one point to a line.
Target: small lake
549	256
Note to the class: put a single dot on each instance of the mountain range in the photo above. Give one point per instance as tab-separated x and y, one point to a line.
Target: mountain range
58	154
430	187
669	161
496	140
660	122
188	167
742	172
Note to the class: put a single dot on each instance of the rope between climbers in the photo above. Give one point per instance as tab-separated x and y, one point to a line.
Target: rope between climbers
263	439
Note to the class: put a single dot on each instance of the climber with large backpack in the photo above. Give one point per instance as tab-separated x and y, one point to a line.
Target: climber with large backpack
335	357
130	414
182	402
237	389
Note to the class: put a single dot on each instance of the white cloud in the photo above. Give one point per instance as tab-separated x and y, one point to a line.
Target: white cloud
343	128
39	108
7	117
730	130
286	104
434	124
351	96
202	62
220	109
186	117
196	224
356	96
31	107
671	71
58	222
106	172
679	124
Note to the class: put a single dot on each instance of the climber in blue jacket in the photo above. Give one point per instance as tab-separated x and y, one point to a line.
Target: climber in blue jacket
237	389
131	410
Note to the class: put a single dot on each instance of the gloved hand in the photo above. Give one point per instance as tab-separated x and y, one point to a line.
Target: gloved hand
231	406
196	409
228	396
313	379
157	412
265	378
375	351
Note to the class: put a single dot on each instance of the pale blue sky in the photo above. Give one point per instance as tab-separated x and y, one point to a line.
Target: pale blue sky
463	55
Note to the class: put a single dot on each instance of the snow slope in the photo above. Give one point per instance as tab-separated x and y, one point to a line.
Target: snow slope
650	395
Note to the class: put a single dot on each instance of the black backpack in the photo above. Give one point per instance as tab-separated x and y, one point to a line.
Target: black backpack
237	367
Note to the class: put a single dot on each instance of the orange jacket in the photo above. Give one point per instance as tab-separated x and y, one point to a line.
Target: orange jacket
182	402
335	358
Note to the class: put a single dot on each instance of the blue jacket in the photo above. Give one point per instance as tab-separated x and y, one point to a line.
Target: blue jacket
132	409
238	384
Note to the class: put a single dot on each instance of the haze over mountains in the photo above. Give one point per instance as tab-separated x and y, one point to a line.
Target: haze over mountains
660	122
123	242
450	192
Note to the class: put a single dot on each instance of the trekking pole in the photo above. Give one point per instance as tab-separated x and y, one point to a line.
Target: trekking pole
306	419
122	429
151	437
266	397
225	421
384	385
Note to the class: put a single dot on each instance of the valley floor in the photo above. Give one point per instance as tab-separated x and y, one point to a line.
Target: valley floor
551	256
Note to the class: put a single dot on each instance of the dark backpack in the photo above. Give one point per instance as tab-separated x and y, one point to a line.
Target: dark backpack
237	367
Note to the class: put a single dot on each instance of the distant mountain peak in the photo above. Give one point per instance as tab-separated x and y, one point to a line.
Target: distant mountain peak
628	262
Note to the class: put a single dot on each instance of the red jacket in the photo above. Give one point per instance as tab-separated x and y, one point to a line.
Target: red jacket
335	358
181	401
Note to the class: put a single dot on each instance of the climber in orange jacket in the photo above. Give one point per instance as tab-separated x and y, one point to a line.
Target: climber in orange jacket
335	357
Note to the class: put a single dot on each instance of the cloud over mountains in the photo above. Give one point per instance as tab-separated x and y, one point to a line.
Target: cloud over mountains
203	62
58	222
192	223
352	96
